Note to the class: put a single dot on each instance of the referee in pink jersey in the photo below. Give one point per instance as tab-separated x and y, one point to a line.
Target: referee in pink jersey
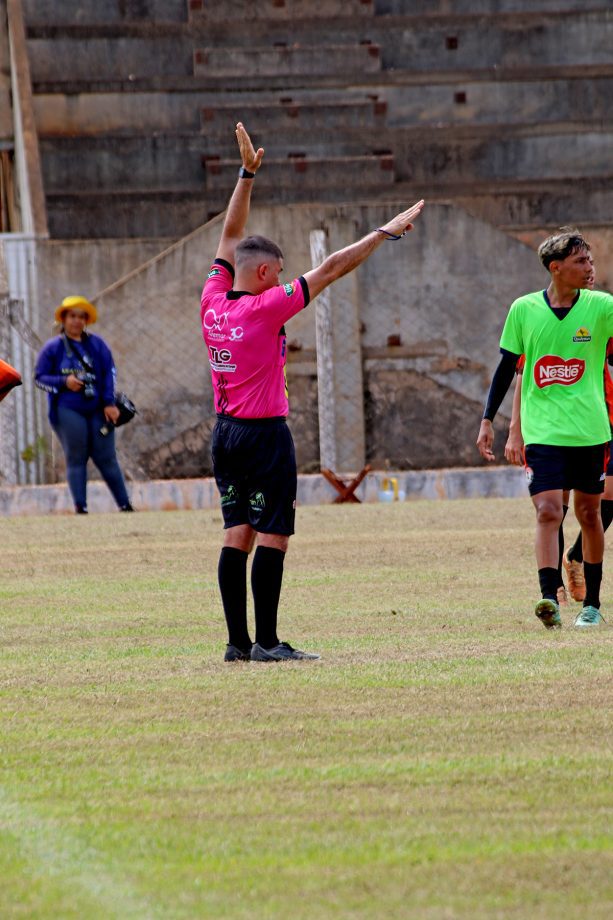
243	309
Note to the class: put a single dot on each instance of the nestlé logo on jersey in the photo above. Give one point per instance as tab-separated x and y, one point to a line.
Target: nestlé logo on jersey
552	369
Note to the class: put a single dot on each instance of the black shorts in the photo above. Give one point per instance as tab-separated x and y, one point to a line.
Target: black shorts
254	463
582	468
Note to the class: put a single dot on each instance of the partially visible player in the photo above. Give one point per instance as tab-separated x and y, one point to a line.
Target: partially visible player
563	331
573	558
9	378
514	453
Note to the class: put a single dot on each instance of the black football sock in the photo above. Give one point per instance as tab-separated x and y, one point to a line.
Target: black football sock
606	512
266	579
232	577
548	580
561	547
575	553
593	577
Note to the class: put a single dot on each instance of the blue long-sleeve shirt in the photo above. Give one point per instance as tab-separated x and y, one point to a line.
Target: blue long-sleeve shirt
54	364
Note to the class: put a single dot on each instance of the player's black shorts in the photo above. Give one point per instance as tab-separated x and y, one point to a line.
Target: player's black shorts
582	468
610	463
254	463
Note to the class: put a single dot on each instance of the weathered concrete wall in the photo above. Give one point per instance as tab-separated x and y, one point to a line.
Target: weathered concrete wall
196	494
431	307
84	267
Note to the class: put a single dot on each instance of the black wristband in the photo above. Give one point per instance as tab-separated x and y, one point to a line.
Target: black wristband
390	236
245	174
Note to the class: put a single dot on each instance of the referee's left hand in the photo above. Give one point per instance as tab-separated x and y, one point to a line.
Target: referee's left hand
251	158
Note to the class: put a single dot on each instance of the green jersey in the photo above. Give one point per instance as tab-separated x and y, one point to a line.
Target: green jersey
562	394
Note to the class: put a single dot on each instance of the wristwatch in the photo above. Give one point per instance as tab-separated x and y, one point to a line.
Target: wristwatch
245	174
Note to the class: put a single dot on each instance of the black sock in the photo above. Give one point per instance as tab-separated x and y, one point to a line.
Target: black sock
575	553
606	512
232	577
593	577
266	579
561	547
548	580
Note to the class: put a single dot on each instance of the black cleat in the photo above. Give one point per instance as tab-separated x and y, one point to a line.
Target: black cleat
237	654
281	652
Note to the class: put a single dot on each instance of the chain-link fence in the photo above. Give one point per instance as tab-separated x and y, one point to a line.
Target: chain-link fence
25	444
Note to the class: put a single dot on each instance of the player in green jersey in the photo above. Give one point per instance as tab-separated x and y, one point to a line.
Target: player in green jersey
563	332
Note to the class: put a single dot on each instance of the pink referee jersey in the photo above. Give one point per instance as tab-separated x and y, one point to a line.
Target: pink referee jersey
246	343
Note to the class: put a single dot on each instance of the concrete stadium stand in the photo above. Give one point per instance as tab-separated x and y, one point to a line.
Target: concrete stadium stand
196	494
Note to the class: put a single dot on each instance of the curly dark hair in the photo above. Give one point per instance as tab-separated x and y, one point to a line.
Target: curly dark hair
565	242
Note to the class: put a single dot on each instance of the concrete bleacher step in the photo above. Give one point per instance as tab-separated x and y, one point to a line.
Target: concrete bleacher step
483	7
84	113
514	204
90	113
141	213
475	104
292	114
449	44
441	157
509	205
302	175
499	157
355	48
96	12
544	204
95	60
178	160
276	9
281	60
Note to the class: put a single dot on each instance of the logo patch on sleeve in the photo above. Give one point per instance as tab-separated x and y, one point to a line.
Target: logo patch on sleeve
552	369
289	289
213	272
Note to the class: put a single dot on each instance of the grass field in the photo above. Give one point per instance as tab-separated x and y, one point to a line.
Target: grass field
447	758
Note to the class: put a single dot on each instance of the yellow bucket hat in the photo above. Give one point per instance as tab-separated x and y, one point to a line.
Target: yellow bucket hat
76	303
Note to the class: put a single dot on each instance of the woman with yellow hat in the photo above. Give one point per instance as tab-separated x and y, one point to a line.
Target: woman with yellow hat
76	369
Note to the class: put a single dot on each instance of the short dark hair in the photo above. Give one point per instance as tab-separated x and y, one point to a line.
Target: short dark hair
257	245
567	241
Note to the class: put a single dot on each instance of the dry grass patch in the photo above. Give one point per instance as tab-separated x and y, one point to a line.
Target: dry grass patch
447	757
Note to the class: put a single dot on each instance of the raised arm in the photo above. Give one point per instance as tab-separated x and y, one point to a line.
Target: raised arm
345	260
238	207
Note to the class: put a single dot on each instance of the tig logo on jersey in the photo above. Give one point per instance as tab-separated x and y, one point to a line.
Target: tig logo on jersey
552	369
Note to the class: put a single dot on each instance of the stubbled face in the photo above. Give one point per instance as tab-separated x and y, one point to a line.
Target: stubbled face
74	322
576	270
273	271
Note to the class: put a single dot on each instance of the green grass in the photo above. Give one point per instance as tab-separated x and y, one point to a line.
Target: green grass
447	757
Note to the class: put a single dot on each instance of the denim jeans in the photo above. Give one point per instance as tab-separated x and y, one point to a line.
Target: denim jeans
81	439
